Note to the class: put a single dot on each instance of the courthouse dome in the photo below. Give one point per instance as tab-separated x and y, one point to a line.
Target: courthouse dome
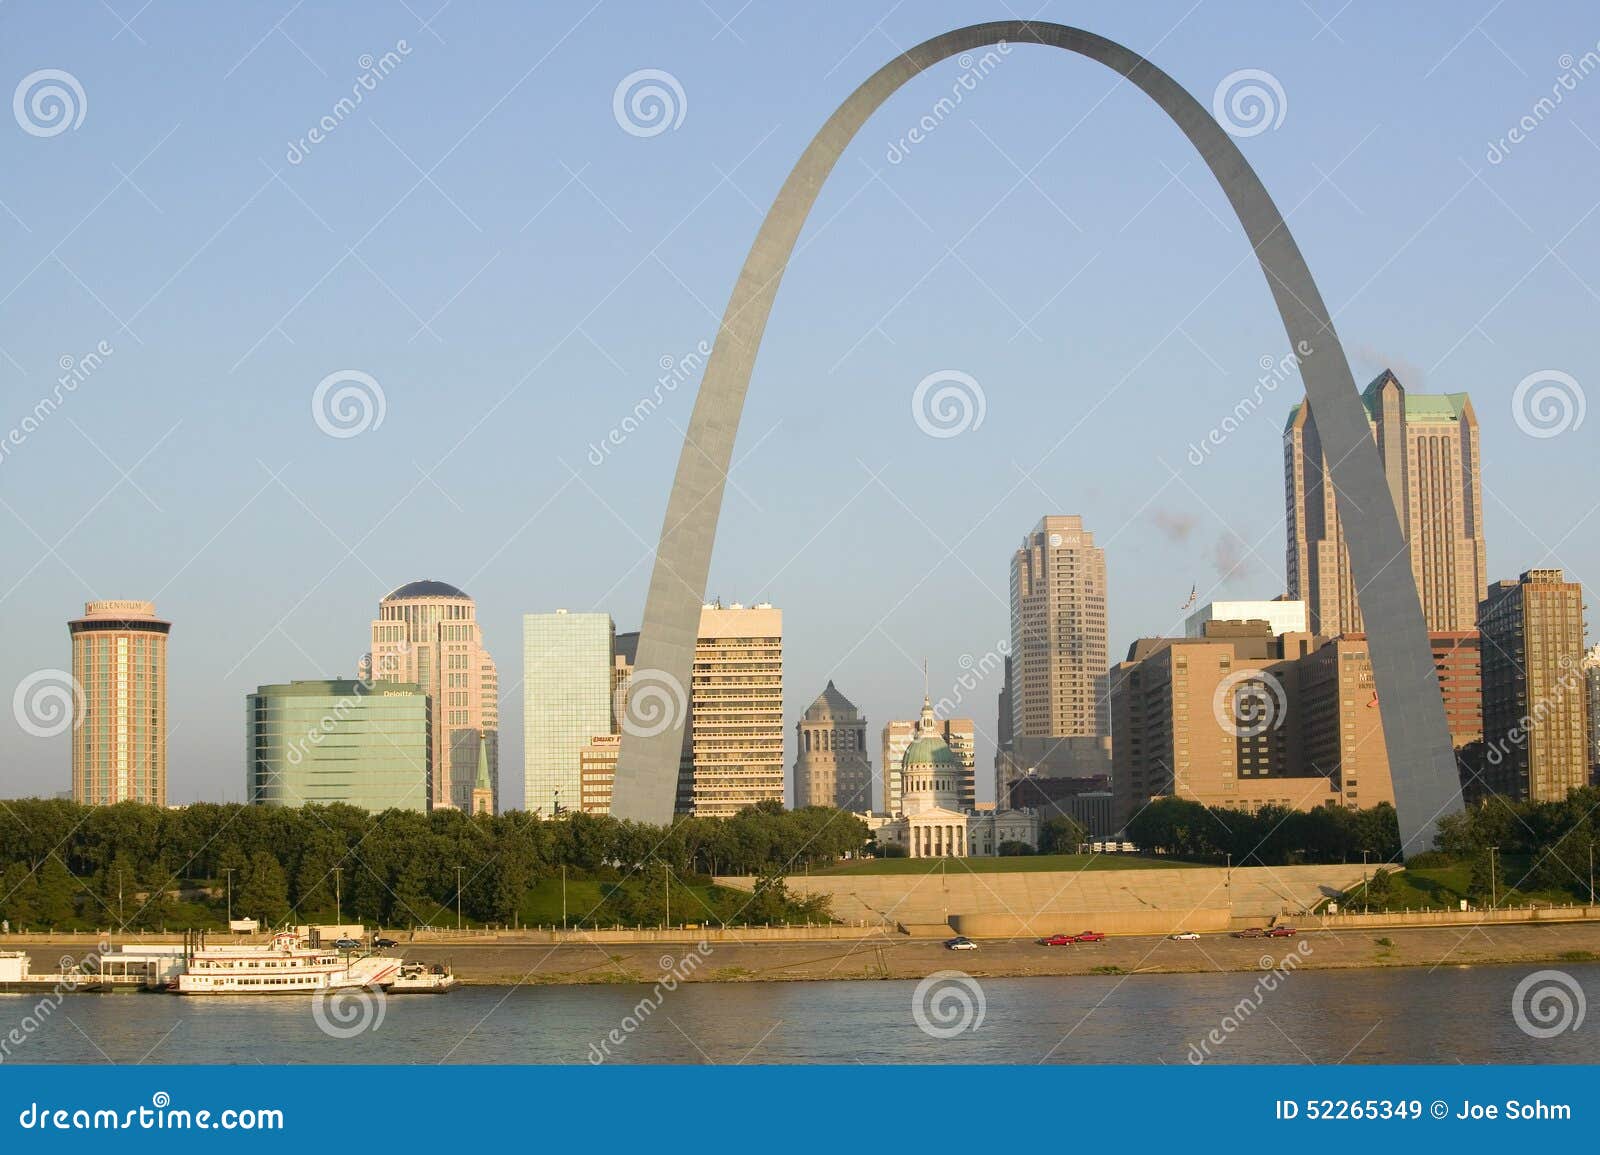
426	588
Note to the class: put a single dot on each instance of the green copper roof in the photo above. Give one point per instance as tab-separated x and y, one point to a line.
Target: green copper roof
1425	408
929	751
483	765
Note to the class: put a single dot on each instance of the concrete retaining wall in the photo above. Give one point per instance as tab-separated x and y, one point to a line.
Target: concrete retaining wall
1459	917
1116	922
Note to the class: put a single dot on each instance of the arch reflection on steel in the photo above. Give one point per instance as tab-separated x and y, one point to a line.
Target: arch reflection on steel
1423	764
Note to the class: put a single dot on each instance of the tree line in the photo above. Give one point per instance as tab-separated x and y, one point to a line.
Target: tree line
138	866
1270	836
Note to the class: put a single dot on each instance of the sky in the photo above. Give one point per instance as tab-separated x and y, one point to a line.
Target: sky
498	252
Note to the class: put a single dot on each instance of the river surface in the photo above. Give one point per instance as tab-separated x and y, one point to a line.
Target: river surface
1460	1014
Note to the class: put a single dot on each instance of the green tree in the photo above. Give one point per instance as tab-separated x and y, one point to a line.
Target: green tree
1061	834
264	893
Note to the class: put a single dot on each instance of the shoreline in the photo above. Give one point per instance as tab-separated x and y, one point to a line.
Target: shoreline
880	956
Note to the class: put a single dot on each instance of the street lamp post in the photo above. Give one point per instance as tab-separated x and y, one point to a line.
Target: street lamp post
1366	904
229	870
667	872
338	899
458	896
1494	888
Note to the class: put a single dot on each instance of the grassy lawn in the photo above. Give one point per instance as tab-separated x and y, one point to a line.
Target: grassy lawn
1029	863
541	905
1443	887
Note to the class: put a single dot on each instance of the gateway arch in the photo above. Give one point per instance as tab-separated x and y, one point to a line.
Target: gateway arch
1422	762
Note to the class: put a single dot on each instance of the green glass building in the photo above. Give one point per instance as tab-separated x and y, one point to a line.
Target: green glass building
361	743
566	702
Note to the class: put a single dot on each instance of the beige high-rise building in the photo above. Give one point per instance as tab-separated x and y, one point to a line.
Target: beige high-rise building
733	754
597	771
831	767
1535	700
1240	718
960	734
427	632
119	723
1058	634
1428	445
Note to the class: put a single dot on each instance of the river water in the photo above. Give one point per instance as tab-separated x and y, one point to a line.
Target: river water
1460	1014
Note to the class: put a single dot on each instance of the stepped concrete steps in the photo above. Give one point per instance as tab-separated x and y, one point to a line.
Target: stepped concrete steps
1256	892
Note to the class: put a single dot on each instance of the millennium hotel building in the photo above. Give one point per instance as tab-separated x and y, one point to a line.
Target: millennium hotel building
119	725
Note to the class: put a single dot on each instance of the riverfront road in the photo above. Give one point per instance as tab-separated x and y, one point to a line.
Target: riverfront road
895	956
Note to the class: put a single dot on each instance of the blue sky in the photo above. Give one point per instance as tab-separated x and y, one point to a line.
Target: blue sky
483	239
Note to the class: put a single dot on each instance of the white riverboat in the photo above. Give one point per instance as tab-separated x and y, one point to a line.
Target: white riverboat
287	966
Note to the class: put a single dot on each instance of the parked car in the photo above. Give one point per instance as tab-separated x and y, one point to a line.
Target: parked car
1281	932
347	943
385	943
1185	936
960	942
1059	940
1089	936
1250	932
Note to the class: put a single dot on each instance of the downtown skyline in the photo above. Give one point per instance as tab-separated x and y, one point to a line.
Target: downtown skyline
264	569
